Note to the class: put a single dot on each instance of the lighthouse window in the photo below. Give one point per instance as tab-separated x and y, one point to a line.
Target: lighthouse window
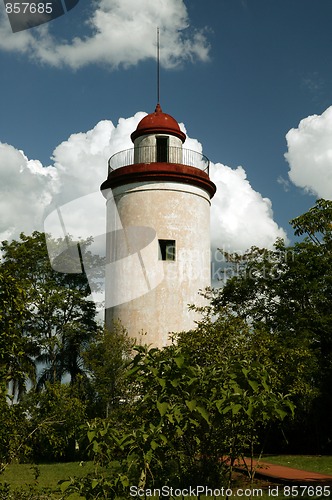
166	249
162	149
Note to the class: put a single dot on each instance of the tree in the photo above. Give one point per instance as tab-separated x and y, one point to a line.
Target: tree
58	320
287	293
16	351
54	418
13	430
316	223
251	361
106	359
186	419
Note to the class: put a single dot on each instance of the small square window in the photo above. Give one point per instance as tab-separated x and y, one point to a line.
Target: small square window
166	249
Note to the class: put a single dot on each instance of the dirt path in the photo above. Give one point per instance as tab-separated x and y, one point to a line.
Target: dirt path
283	474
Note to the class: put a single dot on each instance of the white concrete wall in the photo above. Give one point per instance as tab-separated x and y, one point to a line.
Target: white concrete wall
160	290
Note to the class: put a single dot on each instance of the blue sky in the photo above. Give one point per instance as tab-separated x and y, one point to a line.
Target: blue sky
239	76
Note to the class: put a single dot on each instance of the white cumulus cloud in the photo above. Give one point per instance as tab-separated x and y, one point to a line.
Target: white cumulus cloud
25	189
118	32
240	216
310	154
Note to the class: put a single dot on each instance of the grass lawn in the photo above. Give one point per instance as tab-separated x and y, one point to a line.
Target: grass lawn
320	463
22	475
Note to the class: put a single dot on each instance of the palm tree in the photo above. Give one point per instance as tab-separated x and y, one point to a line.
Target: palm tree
17	351
46	317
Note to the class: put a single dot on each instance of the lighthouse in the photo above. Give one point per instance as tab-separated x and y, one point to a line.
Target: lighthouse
158	232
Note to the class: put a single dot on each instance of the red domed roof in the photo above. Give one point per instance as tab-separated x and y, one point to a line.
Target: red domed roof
158	123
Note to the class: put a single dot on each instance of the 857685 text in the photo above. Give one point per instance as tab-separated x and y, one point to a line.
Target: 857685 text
29	8
298	491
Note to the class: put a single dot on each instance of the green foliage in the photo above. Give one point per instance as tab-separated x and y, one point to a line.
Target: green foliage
46	322
207	412
181	415
219	338
110	477
286	294
185	419
13	430
316	223
55	418
106	359
16	364
47	312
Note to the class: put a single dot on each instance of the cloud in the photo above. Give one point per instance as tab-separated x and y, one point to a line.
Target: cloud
314	85
118	33
310	154
240	216
26	188
284	183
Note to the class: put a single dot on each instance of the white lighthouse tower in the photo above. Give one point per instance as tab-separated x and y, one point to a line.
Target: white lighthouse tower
158	224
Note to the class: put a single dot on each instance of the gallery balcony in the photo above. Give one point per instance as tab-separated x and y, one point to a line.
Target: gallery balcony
150	154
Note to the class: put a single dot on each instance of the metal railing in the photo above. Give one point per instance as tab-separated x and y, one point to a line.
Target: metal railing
149	154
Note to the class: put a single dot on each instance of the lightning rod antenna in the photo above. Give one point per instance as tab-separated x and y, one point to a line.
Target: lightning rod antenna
158	66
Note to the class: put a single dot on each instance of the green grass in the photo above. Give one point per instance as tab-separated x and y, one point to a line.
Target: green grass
321	463
22	475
